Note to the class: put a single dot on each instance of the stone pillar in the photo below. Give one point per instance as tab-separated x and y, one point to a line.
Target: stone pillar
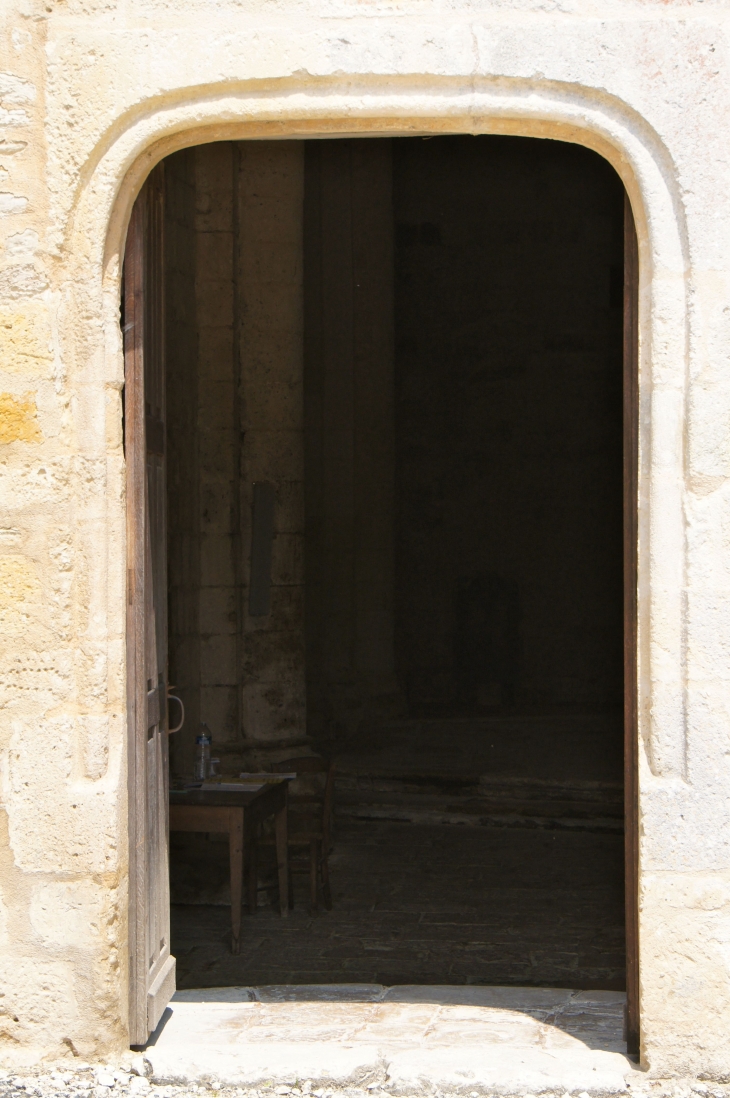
374	423
182	451
269	197
218	442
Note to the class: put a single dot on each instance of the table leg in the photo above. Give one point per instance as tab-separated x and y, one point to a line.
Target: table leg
252	877
282	859
235	849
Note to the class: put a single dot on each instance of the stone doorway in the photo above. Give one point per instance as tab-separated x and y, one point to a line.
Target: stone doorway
419	344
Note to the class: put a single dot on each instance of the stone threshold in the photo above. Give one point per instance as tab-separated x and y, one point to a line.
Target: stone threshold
405	1040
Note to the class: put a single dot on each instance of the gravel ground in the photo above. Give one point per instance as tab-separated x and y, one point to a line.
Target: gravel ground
105	1081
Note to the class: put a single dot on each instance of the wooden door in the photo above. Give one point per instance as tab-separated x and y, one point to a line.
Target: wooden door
631	539
152	969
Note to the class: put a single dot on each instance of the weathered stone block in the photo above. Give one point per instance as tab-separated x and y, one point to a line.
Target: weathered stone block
216	561
218	661
219	710
218	610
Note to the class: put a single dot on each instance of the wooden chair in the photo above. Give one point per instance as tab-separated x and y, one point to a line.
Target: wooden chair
310	815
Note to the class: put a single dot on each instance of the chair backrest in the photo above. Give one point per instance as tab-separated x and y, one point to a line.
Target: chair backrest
312	764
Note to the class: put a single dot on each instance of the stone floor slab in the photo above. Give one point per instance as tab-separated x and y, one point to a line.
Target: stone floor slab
403	1040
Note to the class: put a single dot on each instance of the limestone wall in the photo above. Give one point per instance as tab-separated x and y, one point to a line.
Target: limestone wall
92	93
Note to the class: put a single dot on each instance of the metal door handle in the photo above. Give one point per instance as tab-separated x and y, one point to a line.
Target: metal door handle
174	697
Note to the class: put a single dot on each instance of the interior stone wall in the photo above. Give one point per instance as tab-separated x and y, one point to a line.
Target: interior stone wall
350	446
202	446
234	345
292	319
463	430
183	516
509	326
269	273
217	441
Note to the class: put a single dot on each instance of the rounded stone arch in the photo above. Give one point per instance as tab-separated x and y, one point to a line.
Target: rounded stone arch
95	247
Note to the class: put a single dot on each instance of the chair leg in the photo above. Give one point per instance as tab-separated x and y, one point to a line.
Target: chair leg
313	873
291	888
282	859
326	892
252	872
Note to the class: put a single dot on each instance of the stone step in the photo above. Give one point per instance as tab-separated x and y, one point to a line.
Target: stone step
491	801
423	815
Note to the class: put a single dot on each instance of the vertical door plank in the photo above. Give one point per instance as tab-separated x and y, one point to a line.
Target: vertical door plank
133	326
152	969
160	975
631	464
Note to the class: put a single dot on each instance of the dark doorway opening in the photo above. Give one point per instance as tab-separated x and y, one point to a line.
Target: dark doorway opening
447	567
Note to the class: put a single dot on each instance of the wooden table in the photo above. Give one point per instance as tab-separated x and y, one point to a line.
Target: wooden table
238	815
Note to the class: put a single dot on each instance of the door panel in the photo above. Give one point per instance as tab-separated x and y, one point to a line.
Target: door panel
631	536
152	969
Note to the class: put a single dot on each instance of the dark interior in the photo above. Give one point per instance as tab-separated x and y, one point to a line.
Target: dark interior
462	558
508	427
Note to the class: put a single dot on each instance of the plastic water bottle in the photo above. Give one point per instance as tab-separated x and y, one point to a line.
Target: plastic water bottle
202	756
